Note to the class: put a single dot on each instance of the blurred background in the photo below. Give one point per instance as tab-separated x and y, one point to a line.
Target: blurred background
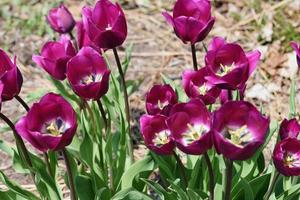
267	25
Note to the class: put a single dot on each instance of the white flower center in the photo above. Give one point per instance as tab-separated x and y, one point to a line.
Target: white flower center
194	133
161	105
91	79
203	89
56	127
162	138
291	160
240	136
225	69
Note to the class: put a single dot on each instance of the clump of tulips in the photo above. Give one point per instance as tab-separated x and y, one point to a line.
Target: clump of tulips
205	140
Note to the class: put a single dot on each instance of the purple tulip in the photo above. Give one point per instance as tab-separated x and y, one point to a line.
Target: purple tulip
229	64
289	128
88	74
286	157
60	19
196	86
156	134
160	99
296	48
50	124
227	95
105	24
192	20
10	77
190	127
239	130
54	57
83	39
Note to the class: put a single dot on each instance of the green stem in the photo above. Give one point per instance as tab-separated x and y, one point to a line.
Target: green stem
46	158
211	176
70	175
127	109
193	47
102	111
181	169
271	188
228	181
74	40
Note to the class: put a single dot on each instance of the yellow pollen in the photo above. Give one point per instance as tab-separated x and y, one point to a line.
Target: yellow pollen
194	133
53	129
224	69
203	89
240	136
161	138
291	160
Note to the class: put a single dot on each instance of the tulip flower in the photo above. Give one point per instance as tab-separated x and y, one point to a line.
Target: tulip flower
239	130
156	134
82	37
227	95
160	99
10	77
50	124
61	20
289	128
54	57
105	24
191	20
230	66
286	157
296	48
190	125
88	74
196	86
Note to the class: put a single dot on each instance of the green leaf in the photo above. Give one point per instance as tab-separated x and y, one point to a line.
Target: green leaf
180	92
292	112
84	187
130	194
175	186
146	164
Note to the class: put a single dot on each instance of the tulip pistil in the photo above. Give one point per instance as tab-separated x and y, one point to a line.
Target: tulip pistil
291	160
224	69
56	127
91	79
161	105
162	138
240	136
194	133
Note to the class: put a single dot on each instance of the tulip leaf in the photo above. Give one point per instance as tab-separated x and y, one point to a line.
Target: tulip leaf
160	191
180	93
292	112
126	61
15	188
84	187
175	186
130	194
290	194
146	164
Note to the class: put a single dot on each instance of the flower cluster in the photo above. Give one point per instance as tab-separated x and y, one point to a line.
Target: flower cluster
236	128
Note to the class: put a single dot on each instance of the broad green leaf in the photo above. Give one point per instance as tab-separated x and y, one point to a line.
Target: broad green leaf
84	187
130	194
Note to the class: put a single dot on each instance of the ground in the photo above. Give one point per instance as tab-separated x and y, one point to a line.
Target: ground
267	25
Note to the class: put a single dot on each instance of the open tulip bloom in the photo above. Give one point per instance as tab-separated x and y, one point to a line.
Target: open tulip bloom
230	66
200	132
88	74
190	127
160	99
239	130
191	20
50	124
105	24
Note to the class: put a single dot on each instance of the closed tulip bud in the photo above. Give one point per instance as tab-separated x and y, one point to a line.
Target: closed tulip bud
88	74
50	124
289	128
231	67
196	86
54	57
105	24
11	77
160	99
156	134
191	20
60	19
286	157
296	48
239	130
190	126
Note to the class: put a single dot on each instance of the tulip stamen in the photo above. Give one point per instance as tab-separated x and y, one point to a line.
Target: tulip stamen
224	69
162	138
291	160
161	105
56	127
91	79
240	136
195	132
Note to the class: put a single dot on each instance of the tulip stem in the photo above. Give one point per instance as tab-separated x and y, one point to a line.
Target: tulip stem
193	47
102	111
20	144
228	179
46	158
181	169
127	109
211	176
74	40
70	175
22	102
271	188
